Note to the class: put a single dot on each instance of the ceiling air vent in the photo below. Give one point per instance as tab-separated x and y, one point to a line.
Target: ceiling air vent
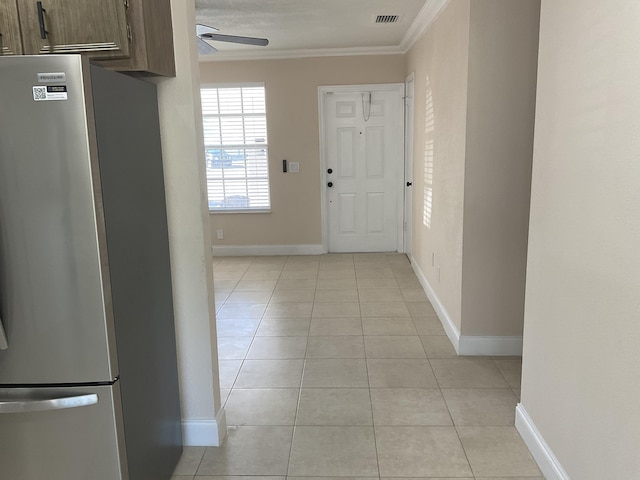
387	18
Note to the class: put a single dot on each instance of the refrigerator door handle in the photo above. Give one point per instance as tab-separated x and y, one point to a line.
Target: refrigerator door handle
27	405
3	337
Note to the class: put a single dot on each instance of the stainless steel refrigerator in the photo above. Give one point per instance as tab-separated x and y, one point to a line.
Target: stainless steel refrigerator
88	376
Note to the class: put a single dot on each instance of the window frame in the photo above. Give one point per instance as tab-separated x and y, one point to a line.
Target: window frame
265	146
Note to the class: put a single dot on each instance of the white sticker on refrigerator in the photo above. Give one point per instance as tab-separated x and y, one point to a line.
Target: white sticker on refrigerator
49	92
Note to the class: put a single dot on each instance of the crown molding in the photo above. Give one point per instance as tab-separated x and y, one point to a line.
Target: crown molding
422	22
301	53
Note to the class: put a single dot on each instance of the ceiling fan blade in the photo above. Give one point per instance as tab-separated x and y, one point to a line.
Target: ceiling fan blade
263	42
201	29
204	48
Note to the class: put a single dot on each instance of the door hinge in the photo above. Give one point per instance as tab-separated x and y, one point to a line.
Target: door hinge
129	34
126	4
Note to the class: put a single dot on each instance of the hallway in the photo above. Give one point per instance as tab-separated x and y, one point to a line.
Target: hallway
337	366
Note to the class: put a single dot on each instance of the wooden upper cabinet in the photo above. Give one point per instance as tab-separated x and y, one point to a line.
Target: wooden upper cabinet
10	41
151	49
123	35
95	27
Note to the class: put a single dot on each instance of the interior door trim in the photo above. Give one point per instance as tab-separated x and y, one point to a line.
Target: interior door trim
409	119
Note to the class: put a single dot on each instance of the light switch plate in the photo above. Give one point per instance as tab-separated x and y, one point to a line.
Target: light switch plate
294	167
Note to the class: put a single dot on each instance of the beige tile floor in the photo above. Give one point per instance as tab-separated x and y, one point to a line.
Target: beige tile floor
337	366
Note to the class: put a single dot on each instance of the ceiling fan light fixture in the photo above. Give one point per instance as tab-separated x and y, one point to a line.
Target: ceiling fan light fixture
262	42
205	48
205	32
202	29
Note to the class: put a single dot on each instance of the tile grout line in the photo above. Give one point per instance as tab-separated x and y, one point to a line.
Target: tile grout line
250	343
295	417
204	452
373	421
233	385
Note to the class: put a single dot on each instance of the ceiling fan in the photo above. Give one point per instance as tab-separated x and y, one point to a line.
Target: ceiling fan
204	32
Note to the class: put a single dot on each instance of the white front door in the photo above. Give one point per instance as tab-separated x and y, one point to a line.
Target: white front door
363	162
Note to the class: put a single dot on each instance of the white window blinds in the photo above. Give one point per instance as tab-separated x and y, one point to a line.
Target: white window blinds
235	138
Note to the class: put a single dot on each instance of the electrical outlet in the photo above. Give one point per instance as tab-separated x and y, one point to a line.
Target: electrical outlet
294	167
220	234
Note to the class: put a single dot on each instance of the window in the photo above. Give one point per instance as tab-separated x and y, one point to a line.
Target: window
235	139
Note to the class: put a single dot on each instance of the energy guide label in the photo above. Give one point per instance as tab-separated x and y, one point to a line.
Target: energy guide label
49	92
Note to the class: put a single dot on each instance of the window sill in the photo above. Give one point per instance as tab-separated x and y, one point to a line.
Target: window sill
234	212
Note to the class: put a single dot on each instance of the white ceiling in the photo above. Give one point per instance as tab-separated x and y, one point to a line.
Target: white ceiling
305	27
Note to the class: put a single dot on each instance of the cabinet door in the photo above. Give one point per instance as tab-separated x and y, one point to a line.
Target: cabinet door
10	42
97	27
152	47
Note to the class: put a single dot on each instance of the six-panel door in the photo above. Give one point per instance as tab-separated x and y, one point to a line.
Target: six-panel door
363	149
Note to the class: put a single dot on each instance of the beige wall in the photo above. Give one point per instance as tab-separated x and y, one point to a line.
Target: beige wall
293	133
440	63
475	75
503	58
189	236
582	313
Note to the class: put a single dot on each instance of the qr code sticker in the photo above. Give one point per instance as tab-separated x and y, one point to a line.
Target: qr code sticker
39	93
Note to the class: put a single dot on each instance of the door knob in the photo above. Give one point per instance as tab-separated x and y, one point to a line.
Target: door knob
330	184
409	184
330	170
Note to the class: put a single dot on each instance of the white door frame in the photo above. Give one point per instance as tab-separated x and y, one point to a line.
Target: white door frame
324	90
409	95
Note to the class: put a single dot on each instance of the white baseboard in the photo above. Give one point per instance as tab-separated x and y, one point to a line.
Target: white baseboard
449	327
205	432
464	344
543	455
494	346
263	250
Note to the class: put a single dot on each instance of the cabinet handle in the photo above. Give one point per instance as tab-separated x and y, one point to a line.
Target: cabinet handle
41	12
